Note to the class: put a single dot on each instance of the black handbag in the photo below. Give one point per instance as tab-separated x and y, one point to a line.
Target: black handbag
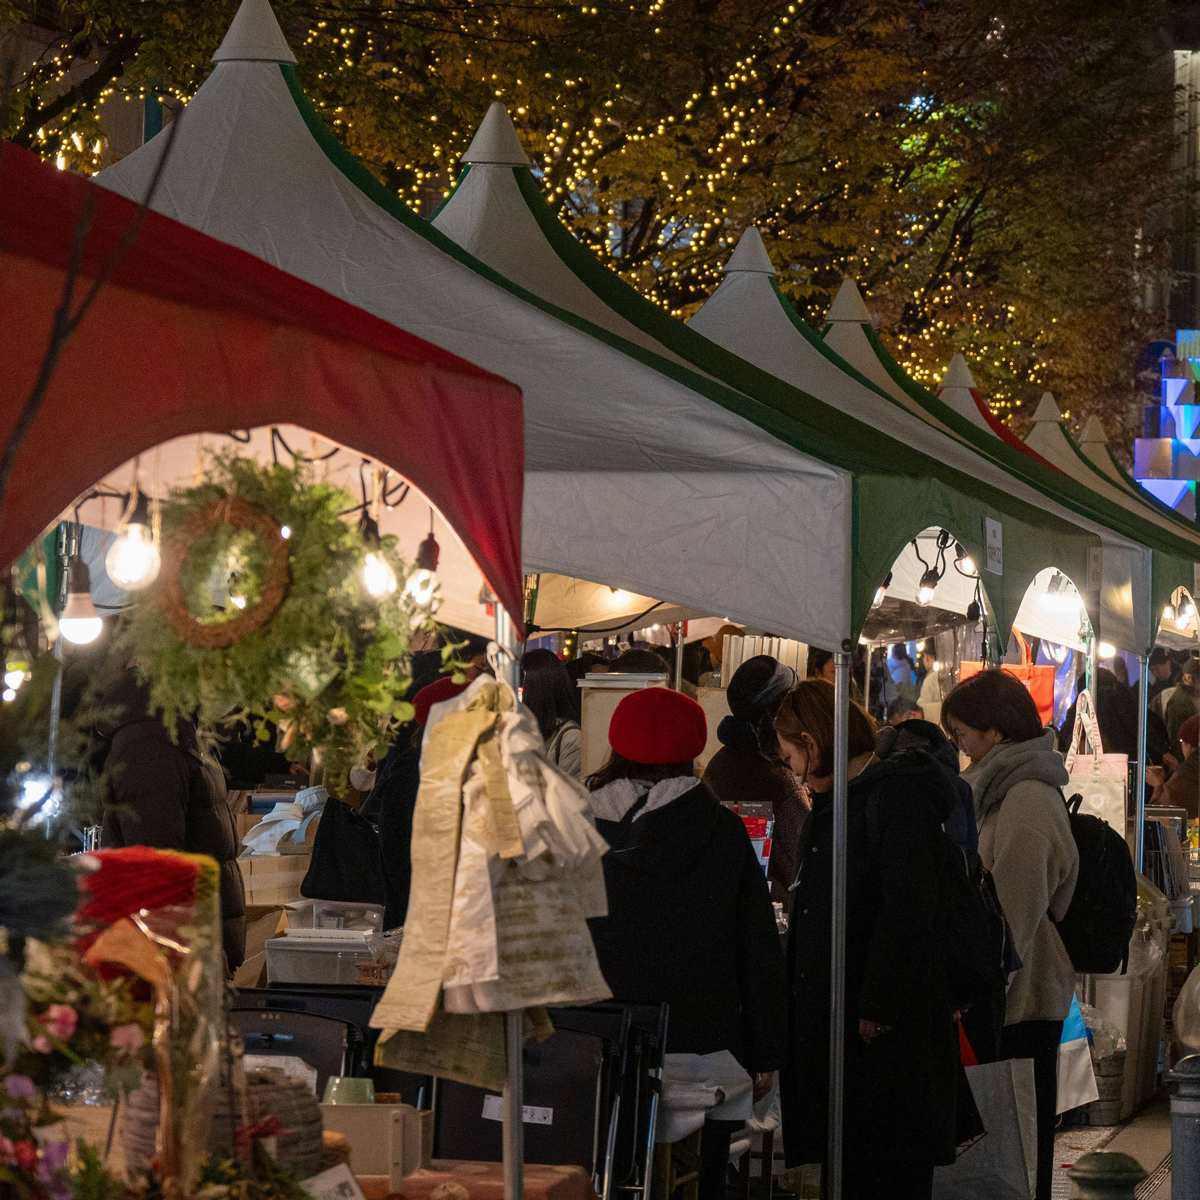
346	861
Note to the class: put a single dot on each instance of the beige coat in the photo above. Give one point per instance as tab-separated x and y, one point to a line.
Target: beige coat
1025	841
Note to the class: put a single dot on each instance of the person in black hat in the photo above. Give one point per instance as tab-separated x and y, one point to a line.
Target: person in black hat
747	768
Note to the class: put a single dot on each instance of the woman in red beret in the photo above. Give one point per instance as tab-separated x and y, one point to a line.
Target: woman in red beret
689	922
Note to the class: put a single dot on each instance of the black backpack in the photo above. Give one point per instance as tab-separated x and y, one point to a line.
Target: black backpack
981	949
1099	921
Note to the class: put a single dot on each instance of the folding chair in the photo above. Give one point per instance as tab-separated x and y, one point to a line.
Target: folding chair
633	1168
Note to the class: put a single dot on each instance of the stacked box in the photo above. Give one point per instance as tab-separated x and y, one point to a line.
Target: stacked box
273	879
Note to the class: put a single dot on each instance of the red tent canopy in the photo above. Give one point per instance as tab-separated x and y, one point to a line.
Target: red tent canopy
191	335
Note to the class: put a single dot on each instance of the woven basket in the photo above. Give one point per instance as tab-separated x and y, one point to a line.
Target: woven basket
269	1093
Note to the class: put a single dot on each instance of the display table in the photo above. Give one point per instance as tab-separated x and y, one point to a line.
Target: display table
485	1181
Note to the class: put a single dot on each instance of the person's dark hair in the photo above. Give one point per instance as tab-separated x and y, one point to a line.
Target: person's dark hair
902	704
755	693
577	668
809	708
547	691
621	768
1158	656
817	660
994	700
1191	667
641	662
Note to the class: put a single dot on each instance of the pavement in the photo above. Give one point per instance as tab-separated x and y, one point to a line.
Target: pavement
1146	1137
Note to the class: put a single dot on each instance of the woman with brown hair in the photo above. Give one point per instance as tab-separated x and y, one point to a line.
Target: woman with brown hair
1025	841
901	1053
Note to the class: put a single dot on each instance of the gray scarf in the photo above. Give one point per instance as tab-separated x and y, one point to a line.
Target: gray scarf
1010	763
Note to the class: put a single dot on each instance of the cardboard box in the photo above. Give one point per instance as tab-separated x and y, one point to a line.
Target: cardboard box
392	1140
260	926
273	880
485	1181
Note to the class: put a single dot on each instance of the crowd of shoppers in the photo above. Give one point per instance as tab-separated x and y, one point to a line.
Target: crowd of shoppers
690	922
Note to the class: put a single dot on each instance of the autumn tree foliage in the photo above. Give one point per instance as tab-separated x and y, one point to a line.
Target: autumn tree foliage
996	174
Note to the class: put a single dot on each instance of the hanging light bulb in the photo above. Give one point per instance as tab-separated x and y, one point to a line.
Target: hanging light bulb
881	590
378	578
963	561
133	560
13	678
1106	650
80	623
1168	614
1186	615
423	580
377	575
929	582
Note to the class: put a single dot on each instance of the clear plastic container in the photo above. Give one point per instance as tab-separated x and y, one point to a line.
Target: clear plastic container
326	960
335	914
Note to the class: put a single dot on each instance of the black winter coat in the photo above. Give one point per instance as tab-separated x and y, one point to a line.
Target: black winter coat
740	777
901	1089
690	924
166	794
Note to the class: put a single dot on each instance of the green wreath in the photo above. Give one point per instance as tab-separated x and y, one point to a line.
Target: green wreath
312	654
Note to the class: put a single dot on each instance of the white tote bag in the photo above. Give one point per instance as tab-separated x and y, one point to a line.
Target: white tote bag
1001	1165
1101	779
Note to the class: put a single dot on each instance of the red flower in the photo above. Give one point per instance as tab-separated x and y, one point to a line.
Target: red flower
26	1155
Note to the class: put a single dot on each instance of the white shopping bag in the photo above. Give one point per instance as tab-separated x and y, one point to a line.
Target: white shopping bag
1001	1165
1076	1076
1101	779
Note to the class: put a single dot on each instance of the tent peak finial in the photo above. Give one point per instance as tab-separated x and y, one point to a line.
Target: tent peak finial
958	374
750	255
1093	432
496	142
254	36
848	305
1047	410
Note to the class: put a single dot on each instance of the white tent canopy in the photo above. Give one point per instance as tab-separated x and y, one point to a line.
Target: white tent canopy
612	490
747	316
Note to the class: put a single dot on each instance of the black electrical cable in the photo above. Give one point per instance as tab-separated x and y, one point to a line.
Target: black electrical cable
296	455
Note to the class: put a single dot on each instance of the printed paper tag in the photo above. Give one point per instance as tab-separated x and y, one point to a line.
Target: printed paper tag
993	536
531	1115
335	1184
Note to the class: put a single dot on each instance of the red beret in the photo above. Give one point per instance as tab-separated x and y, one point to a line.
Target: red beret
434	693
658	726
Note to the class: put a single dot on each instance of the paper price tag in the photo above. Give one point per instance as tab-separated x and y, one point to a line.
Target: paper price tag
335	1184
993	537
530	1114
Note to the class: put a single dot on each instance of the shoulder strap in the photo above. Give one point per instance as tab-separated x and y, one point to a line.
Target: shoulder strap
1073	803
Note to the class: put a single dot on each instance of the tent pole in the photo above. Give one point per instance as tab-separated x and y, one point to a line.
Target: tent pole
679	656
512	1111
837	992
867	678
1140	774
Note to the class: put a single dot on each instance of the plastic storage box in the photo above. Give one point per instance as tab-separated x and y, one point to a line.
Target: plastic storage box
335	914
319	959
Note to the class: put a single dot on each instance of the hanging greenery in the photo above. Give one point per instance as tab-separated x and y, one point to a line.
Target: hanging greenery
261	616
